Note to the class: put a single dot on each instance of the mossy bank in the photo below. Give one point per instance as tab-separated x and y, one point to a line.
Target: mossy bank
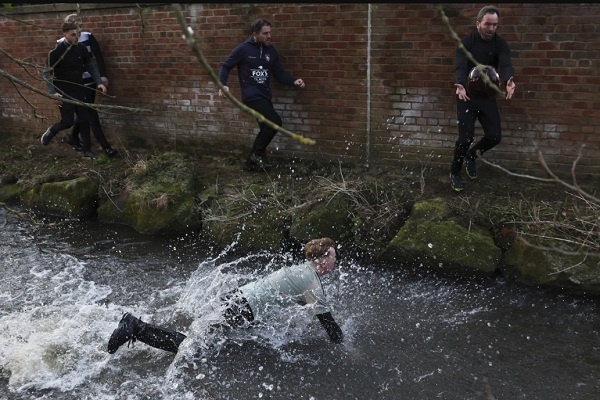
404	217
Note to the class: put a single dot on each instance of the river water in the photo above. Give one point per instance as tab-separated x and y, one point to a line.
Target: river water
65	285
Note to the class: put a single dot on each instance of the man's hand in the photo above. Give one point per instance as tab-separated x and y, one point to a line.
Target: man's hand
510	88
225	89
299	83
57	96
105	81
102	88
461	92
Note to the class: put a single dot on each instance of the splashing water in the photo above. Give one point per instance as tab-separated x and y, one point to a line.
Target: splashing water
408	334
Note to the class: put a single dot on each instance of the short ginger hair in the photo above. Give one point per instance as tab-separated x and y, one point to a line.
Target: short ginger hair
317	248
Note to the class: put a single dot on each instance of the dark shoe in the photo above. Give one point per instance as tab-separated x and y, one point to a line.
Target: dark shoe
470	167
456	182
124	333
259	160
252	167
47	137
70	140
89	154
109	151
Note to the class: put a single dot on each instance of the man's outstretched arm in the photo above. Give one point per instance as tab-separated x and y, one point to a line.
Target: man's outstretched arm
333	329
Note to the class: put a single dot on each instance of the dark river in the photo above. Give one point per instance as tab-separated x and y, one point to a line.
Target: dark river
64	287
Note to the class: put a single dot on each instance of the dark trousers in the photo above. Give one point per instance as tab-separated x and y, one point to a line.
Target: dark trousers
67	119
237	314
266	133
95	126
468	112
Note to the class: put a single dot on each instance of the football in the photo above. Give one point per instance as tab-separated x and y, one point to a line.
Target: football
476	84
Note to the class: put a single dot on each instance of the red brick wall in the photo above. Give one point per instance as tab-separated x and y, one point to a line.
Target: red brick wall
379	79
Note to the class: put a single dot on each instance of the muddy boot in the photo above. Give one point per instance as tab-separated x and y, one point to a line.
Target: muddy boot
131	329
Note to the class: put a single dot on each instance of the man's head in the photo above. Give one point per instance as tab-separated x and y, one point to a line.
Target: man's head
261	31
487	22
321	254
70	31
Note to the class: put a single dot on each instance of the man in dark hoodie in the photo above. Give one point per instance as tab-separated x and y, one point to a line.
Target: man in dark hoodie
257	60
89	41
63	75
488	48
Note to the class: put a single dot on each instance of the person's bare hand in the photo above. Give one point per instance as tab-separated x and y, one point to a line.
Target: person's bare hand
102	88
299	83
461	92
225	88
510	88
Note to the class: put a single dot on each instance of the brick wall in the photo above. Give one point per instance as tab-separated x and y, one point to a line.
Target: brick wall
379	79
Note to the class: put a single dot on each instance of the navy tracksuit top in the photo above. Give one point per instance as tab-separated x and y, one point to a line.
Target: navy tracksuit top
256	64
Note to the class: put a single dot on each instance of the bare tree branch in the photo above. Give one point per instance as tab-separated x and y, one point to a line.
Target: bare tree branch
14	80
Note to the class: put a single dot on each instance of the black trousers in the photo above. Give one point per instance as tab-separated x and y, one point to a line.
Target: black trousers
237	314
266	133
95	126
467	113
67	119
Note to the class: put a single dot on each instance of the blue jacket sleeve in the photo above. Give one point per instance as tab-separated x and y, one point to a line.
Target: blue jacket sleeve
280	73
230	62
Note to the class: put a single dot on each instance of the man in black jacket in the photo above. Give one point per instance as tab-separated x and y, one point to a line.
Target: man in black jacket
488	48
64	79
256	60
89	41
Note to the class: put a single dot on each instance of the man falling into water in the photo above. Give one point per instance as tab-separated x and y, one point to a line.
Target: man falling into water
299	284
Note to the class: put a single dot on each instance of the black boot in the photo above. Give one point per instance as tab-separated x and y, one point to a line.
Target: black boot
161	338
124	333
131	329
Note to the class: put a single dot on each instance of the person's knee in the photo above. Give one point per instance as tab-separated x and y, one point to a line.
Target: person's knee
276	119
464	143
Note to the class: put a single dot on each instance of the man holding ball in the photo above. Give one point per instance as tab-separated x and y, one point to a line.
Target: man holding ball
490	49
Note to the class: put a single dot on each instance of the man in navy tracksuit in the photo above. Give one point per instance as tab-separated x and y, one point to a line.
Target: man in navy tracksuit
488	48
64	78
256	61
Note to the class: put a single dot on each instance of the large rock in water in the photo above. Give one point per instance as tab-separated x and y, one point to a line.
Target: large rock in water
431	237
179	213
76	198
541	264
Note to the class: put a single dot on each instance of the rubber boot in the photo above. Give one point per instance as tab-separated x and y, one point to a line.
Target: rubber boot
161	338
131	329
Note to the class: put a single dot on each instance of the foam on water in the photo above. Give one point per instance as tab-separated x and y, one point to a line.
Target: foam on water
406	336
51	340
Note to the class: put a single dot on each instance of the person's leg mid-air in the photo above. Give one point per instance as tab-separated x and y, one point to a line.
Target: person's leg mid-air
489	118
466	116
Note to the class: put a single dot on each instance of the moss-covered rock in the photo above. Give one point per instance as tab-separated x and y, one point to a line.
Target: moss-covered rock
327	218
537	264
259	230
167	214
431	237
76	198
10	192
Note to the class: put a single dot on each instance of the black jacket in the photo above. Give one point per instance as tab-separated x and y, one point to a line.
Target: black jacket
64	70
494	52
